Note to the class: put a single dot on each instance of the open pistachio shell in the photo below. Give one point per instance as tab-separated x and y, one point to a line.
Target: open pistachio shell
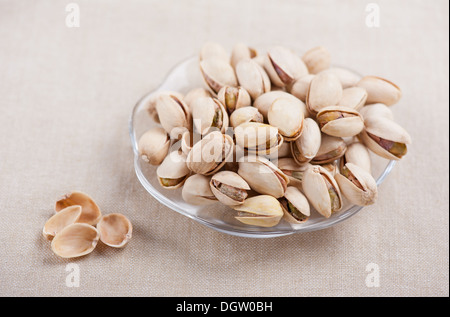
173	114
258	138
263	176
300	87
376	110
385	138
353	97
283	66
154	145
217	73
151	106
305	148
197	191
288	117
358	154
292	170
245	114
209	114
317	59
340	121
331	148
195	94
262	211
213	50
229	188
347	77
115	230
325	90
75	240
234	98
380	90
90	212
60	220
295	206
240	52
357	185
252	78
322	190
173	170
265	101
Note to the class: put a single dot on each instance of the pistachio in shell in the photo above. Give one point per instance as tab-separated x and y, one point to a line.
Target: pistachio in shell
173	170
197	191
173	114
262	211
265	101
283	66
245	114
358	154
317	59
300	87
295	206
305	148
324	90
252	78
380	90
288	117
240	52
154	145
209	114
217	73
353	97
234	98
340	121
357	185
258	138
331	149
377	110
292	170
229	188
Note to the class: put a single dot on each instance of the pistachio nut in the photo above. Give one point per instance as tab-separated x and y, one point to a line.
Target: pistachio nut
357	185
284	150
90	212
246	114
263	176
173	114
154	145
173	170
292	170
252	78
288	117
115	230
234	98
262	211
210	153
283	66
213	50
265	101
300	87
75	240
376	110
209	114
295	206
229	188
353	97
196	190
217	73
325	90
194	94
305	148
317	59
258	138
347	77
380	90
322	190
357	154
60	220
331	149
240	52
385	138
151	105
340	121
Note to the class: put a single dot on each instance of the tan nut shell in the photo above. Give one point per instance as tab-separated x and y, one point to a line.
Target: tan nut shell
347	77
75	240
195	94
361	197
293	170
300	87
90	212
265	211
217	73
115	230
213	50
203	113
252	78
231	179
288	117
240	52
353	97
265	101
196	190
305	148
283	66
173	167
245	114
299	201
325	90
342	127
258	138
173	114
317	59
380	90
154	145
234	98
358	154
60	220
332	147
376	110
151	106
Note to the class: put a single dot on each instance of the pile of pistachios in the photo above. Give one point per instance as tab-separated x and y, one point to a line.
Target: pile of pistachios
273	134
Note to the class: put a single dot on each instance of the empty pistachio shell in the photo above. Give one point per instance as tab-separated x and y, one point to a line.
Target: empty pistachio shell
173	170
258	138
317	59
229	188
188	139
347	77
151	106
325	90
252	78
288	117
241	52
213	50
353	97
322	190
357	185
154	145
115	230
265	101
75	240
197	191
246	114
300	87
295	206
263	176
173	114
209	114
292	170
217	73
283	66
380	90
60	220
376	110
358	154
90	212
262	211
210	154
340	121
195	94
234	98
305	148
385	138
331	148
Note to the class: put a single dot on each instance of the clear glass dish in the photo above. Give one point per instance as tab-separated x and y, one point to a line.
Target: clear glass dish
182	78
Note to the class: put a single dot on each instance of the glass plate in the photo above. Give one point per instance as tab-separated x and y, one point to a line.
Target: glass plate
182	78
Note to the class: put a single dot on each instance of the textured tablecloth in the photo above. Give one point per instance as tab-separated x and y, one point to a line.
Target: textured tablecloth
65	99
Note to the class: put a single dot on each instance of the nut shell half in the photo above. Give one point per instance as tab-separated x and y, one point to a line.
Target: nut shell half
115	230
75	240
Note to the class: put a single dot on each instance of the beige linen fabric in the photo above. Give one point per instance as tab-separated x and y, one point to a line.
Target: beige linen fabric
65	98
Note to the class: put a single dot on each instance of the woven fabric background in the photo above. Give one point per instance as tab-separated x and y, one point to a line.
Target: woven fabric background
65	98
